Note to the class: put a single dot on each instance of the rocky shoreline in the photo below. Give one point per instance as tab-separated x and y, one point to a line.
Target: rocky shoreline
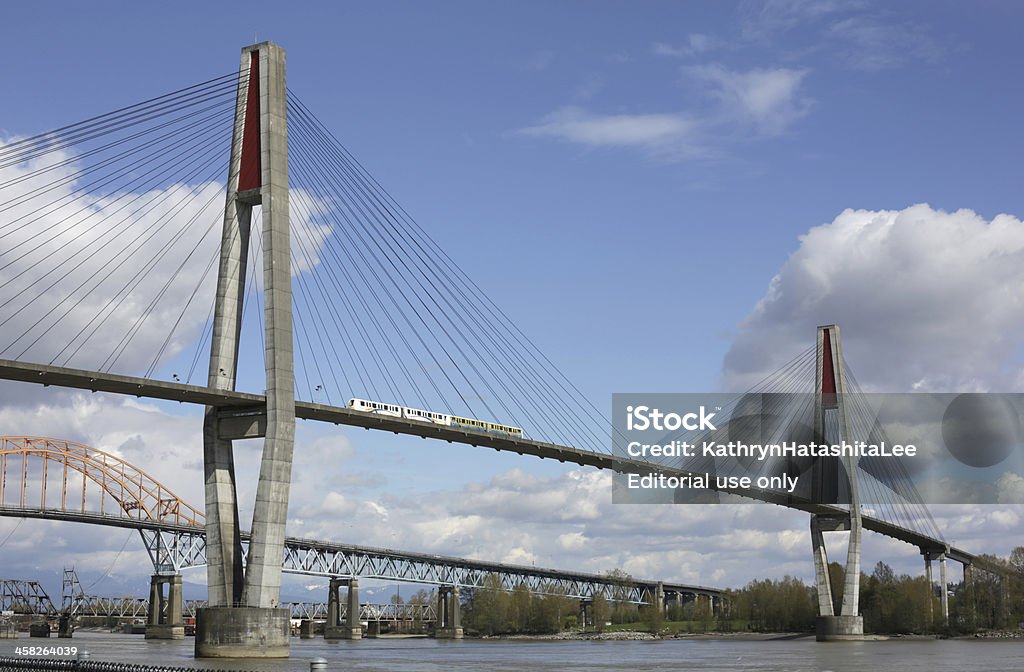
996	634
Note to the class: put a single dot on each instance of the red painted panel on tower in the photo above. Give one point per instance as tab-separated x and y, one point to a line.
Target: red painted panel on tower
250	173
828	372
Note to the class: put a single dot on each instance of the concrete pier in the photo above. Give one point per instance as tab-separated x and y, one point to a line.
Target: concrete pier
831	426
243	619
242	632
164	620
449	619
352	627
943	590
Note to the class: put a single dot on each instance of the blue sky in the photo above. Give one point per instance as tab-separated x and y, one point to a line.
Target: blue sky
647	169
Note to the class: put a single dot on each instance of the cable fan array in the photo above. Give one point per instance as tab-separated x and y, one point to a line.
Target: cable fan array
781	408
109	231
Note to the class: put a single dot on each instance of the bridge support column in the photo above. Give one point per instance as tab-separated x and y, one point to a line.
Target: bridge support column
164	618
449	620
931	585
969	587
943	590
65	627
306	629
585	611
828	481
351	628
243	619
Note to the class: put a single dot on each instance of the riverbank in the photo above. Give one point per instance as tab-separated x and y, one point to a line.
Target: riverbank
639	636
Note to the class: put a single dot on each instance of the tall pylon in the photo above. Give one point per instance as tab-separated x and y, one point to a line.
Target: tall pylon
829	478
243	619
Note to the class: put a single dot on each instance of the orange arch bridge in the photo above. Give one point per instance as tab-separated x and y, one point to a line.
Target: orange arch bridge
62	480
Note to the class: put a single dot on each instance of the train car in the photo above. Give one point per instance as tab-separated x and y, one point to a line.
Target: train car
481	426
419	415
375	407
426	416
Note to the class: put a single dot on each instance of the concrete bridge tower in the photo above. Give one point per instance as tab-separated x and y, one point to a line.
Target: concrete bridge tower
834	480
243	619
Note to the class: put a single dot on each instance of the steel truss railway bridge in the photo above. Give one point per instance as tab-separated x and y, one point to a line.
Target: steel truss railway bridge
105	276
52	479
28	598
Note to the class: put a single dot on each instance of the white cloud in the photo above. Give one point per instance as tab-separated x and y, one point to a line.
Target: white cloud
768	98
649	131
88	280
927	300
760	102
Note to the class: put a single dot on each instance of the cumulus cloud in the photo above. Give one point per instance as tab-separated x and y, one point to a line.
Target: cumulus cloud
112	280
928	301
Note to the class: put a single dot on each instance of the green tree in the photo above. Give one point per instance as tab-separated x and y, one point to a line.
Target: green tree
600	611
488	607
519	608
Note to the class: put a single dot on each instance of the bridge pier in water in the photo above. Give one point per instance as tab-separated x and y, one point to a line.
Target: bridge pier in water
243	619
449	618
830	426
351	628
943	585
164	619
586	616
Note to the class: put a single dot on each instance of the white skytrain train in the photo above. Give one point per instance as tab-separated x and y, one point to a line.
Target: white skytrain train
418	415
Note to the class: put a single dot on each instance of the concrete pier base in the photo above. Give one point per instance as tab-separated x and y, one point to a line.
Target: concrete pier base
306	629
242	632
839	628
343	632
165	631
448	633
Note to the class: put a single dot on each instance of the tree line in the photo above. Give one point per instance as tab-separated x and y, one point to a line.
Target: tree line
890	604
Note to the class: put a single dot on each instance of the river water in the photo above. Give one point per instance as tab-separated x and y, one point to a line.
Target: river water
421	655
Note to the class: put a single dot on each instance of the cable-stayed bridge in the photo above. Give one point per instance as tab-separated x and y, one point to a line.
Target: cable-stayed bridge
112	227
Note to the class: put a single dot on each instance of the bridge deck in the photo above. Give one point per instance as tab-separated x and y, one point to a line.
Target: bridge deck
377	557
243	401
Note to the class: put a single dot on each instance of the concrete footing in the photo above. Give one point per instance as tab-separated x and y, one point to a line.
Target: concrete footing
307	629
65	627
343	632
448	633
165	631
242	632
839	628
